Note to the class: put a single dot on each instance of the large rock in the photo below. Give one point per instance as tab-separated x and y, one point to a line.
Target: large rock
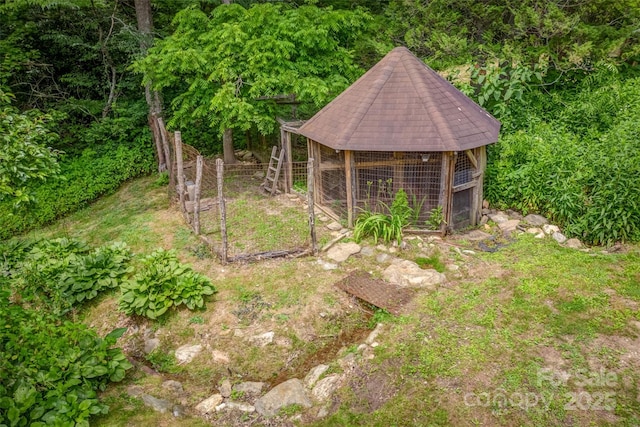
342	251
573	243
225	388
158	405
535	219
186	353
291	392
509	225
475	235
408	274
550	228
559	237
373	335
209	405
326	387
220	357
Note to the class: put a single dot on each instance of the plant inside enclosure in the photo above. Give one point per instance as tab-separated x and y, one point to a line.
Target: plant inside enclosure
388	227
163	282
436	218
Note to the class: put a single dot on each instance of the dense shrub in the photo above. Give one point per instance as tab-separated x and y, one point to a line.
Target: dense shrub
56	275
582	173
96	172
50	370
163	282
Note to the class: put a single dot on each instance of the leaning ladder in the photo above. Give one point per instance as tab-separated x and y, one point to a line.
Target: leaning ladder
270	183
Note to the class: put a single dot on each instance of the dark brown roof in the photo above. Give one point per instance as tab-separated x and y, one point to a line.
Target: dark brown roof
402	105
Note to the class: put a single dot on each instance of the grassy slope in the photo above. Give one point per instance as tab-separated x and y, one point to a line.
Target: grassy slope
488	334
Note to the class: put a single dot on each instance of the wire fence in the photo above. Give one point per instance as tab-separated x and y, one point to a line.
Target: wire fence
228	207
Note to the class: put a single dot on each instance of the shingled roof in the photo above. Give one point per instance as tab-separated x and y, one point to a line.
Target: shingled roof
402	105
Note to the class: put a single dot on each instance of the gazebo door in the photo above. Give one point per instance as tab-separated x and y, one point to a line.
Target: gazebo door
465	181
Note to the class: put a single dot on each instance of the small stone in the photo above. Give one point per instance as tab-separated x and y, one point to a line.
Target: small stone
327	265
135	391
314	374
485	204
367	251
186	353
225	388
179	411
258	175
550	228
374	334
322	412
323	218
325	387
374	344
334	226
383	258
573	243
452	267
484	220
382	248
468	252
262	339
509	225
173	386
559	237
220	407
535	219
249	387
393	250
498	218
244	407
342	251
209	404
514	214
151	344
158	405
220	357
362	347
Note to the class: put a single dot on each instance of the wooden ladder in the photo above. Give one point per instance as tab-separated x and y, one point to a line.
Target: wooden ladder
270	183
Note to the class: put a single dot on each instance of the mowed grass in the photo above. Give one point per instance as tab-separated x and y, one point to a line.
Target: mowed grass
534	334
549	338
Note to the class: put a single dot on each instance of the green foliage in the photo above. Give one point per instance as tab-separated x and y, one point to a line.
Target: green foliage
161	283
25	153
50	371
432	261
388	227
581	173
436	218
58	274
96	172
225	67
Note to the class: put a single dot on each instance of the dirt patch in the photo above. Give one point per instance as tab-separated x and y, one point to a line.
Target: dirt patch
376	291
373	386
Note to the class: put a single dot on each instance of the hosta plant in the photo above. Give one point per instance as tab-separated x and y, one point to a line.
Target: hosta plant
163	282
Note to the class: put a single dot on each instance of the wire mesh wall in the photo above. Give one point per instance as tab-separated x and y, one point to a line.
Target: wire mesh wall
376	177
255	225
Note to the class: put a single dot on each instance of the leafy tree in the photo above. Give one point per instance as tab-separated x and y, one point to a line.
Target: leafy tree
227	67
25	153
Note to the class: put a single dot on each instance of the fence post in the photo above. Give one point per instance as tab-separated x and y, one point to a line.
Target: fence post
312	210
180	172
196	202
223	209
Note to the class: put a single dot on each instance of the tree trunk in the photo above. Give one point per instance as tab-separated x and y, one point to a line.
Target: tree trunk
227	146
144	18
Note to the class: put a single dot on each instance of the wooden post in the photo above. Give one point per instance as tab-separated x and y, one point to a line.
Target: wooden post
312	208
165	141
348	157
447	208
288	170
223	209
196	202
180	172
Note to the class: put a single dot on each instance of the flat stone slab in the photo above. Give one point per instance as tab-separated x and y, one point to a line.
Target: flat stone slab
291	392
313	375
498	218
475	235
326	387
408	274
249	387
509	225
186	353
342	251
